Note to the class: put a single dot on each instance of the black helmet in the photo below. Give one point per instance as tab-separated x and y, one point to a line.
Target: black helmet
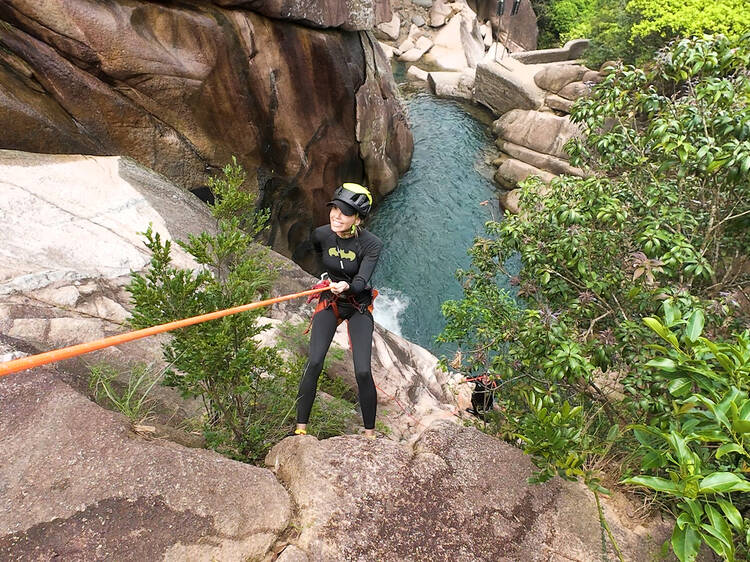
352	198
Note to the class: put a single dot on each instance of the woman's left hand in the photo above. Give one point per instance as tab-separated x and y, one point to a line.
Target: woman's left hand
340	287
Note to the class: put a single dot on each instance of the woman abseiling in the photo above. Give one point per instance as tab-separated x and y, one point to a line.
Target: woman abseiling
348	254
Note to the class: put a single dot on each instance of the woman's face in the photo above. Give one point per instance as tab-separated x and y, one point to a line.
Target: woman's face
340	223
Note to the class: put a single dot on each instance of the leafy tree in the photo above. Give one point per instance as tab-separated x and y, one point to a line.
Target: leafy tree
248	389
633	30
666	19
658	229
561	20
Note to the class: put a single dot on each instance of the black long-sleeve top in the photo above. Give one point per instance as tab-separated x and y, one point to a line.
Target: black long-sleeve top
348	259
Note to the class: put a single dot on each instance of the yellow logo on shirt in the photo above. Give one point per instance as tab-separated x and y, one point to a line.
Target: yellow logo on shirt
343	254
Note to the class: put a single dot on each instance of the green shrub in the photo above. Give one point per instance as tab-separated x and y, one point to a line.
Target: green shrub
634	30
658	229
248	390
561	20
697	453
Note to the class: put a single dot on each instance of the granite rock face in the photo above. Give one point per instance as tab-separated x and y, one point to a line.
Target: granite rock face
182	88
555	77
542	132
503	84
458	45
78	484
532	144
518	32
456	494
351	15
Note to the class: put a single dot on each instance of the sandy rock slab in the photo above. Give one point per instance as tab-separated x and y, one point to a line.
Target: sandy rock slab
77	484
506	85
457	495
542	132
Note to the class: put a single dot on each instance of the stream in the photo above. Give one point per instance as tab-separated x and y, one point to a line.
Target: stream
430	220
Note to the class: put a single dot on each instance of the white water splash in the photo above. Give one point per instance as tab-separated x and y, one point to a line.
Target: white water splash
389	306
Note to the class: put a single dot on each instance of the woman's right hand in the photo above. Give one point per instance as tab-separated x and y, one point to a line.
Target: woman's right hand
339	287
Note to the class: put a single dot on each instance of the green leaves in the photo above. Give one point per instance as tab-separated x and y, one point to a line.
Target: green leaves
720	482
685	543
695	325
622	277
653	482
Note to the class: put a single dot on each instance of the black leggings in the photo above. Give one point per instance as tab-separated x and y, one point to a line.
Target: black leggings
360	334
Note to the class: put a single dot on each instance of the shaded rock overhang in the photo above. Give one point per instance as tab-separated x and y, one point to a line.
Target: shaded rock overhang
181	88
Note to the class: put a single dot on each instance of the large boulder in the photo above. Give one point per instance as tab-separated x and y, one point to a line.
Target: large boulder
416	74
504	84
382	132
457	494
390	29
510	201
72	218
458	85
351	15
571	51
553	101
72	235
546	162
542	132
181	88
511	172
554	77
439	13
592	77
575	90
78	484
413	53
458	45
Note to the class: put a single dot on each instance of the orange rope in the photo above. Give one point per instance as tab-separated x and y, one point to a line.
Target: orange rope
32	361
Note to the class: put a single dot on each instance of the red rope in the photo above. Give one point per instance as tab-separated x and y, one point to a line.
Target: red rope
400	406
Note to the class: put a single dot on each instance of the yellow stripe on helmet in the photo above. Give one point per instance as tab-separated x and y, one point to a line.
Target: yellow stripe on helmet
356	188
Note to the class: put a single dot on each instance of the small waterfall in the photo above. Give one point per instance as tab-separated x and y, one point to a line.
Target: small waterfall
390	306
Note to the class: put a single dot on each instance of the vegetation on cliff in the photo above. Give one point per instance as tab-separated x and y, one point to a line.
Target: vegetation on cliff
248	389
631	356
633	30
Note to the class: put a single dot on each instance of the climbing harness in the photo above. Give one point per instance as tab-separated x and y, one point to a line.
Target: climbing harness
333	302
325	303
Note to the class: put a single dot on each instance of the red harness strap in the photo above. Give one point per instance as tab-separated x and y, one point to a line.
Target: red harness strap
325	303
